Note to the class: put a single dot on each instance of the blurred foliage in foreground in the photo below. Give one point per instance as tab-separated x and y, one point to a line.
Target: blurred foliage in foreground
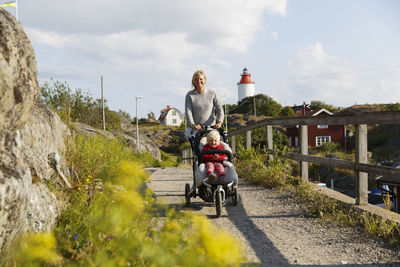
112	220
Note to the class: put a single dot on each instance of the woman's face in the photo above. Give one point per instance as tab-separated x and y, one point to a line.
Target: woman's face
199	81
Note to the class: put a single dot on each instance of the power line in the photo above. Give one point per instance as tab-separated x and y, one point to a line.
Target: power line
328	74
247	100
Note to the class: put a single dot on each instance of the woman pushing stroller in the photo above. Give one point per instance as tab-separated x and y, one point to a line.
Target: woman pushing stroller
204	115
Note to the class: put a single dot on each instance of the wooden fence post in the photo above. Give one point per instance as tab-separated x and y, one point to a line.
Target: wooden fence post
233	144
362	157
269	139
248	139
304	151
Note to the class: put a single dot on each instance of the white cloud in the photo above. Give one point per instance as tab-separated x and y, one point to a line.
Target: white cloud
274	35
220	62
317	75
150	47
225	24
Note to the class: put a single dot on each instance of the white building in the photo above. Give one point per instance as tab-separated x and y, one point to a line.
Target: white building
171	116
245	86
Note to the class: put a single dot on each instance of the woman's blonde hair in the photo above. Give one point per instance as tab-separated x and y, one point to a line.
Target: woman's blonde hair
197	73
213	134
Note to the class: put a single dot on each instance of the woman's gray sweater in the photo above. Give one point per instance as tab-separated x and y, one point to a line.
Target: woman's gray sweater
203	108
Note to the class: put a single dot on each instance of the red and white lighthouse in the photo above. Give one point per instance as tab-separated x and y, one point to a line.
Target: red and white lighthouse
246	85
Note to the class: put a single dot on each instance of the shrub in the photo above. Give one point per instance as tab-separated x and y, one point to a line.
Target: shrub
96	155
328	147
32	249
252	167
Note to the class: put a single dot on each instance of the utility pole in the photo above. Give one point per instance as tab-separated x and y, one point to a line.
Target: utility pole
226	119
137	124
255	112
102	104
16	10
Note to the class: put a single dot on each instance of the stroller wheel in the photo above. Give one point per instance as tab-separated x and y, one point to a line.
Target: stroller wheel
187	195
235	196
218	202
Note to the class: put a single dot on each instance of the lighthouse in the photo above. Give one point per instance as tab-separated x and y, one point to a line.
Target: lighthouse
246	85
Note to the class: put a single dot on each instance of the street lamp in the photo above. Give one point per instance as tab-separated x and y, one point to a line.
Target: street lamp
225	114
137	124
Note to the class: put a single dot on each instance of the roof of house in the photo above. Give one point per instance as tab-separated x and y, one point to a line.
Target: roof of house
388	180
298	110
164	112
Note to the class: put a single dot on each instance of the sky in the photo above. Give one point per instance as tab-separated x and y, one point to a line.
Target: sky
341	52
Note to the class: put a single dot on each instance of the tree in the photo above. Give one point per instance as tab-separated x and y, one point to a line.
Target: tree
77	106
394	107
265	106
151	115
125	114
316	104
288	112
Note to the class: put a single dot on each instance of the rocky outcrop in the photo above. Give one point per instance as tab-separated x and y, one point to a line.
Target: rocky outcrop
145	143
81	128
43	134
18	82
26	139
26	202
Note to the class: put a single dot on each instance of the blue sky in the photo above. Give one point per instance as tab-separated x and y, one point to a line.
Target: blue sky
342	52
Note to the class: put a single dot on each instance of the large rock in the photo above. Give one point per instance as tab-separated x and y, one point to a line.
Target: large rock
26	202
24	148
81	128
18	90
145	143
15	184
18	81
43	134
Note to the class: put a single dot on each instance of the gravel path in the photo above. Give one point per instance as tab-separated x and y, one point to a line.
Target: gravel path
273	229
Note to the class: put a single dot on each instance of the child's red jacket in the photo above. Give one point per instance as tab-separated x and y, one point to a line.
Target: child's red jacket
209	157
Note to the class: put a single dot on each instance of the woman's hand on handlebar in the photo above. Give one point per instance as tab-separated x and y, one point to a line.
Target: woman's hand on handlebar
197	127
218	125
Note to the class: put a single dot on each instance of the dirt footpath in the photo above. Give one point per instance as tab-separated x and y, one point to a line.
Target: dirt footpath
273	229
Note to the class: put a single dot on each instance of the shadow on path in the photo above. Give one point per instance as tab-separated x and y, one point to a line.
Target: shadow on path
265	250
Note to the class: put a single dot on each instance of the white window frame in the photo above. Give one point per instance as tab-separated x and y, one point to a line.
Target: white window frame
322	126
296	141
174	121
319	140
174	113
290	141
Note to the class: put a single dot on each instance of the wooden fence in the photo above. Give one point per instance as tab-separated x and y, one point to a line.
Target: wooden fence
359	120
187	155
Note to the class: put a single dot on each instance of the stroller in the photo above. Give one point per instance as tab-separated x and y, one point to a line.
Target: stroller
218	191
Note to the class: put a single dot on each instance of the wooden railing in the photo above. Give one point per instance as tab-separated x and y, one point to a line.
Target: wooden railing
359	120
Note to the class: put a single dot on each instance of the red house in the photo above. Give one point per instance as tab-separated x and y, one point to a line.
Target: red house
317	134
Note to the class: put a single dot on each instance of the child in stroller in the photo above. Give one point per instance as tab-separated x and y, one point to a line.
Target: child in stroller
214	161
225	184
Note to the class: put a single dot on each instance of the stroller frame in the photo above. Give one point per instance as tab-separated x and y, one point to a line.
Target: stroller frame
217	192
